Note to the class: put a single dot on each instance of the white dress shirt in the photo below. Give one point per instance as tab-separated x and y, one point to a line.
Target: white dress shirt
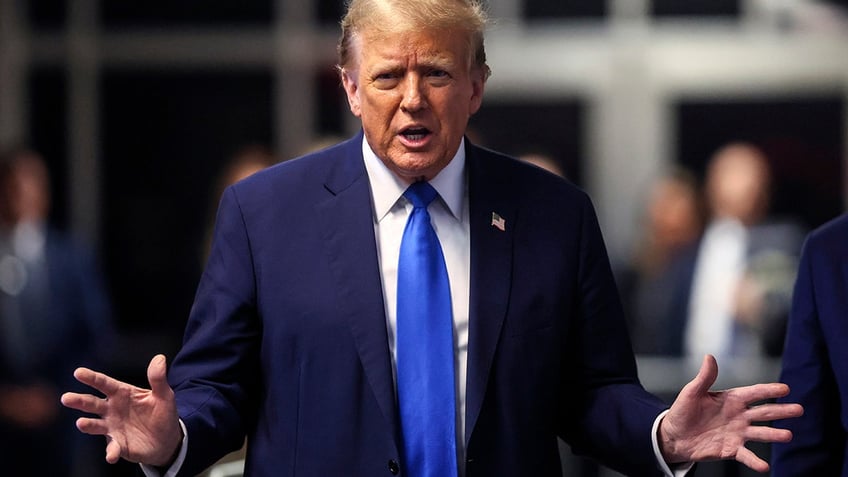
449	217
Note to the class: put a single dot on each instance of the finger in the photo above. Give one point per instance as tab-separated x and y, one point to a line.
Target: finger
768	434
157	375
771	412
706	376
84	402
750	460
760	392
113	451
98	381
91	426
74	401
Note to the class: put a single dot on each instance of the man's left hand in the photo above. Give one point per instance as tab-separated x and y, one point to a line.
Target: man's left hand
705	425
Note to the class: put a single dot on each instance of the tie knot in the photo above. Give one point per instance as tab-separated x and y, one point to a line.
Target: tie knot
420	194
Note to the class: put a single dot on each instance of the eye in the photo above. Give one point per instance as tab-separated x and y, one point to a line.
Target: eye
385	79
438	77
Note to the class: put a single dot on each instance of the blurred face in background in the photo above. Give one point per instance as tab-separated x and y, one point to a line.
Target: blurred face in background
738	184
673	213
25	190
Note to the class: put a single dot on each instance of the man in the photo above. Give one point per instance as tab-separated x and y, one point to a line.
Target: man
298	336
660	264
732	287
54	315
815	361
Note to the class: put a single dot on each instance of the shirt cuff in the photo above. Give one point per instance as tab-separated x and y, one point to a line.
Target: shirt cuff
680	470
151	471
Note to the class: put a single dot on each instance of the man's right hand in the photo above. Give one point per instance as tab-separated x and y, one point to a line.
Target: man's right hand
140	425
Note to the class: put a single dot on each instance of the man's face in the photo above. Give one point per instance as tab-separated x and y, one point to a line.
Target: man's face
25	193
414	93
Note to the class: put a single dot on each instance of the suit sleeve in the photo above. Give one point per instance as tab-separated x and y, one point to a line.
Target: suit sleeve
607	414
215	373
815	448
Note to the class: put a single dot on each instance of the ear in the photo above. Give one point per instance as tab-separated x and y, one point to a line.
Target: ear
351	87
478	85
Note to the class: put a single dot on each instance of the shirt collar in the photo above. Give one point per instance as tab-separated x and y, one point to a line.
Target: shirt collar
387	188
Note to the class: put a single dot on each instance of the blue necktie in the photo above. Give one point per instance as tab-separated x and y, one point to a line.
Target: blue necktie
425	364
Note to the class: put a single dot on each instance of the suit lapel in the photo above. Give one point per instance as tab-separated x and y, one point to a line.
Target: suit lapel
491	276
346	218
348	229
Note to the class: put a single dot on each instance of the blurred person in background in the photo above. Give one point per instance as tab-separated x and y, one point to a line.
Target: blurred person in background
673	221
745	263
54	312
545	161
247	161
815	361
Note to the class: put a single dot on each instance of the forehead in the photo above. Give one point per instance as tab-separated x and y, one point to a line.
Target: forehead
427	45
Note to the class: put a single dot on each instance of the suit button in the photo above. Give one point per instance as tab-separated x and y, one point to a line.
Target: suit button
394	468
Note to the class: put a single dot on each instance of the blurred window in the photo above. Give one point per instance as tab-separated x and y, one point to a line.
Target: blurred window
803	138
166	135
552	127
695	8
564	9
329	11
176	13
48	133
331	108
46	14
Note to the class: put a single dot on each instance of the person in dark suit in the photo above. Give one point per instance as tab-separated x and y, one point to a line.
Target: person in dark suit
295	338
673	221
54	315
815	360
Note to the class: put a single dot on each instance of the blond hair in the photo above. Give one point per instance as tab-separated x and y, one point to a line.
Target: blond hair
392	16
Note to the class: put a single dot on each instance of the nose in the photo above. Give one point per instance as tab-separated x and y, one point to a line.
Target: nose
414	98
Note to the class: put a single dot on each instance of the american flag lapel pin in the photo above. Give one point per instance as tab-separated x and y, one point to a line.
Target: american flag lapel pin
498	222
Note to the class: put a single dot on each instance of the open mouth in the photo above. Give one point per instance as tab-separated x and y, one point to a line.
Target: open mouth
415	134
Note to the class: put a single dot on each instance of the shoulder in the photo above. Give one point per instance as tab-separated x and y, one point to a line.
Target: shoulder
315	165
62	242
834	230
827	242
546	210
304	176
66	252
824	249
524	181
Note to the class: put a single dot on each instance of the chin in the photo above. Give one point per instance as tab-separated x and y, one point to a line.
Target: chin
411	164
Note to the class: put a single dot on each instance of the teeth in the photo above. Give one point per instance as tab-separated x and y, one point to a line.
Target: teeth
415	134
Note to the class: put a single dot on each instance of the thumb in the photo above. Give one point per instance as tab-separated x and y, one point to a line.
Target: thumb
157	375
706	376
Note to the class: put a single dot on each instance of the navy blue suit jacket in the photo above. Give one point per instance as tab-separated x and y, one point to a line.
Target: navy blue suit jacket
815	361
287	339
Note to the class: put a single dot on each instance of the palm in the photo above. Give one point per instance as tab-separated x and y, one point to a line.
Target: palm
708	425
140	425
